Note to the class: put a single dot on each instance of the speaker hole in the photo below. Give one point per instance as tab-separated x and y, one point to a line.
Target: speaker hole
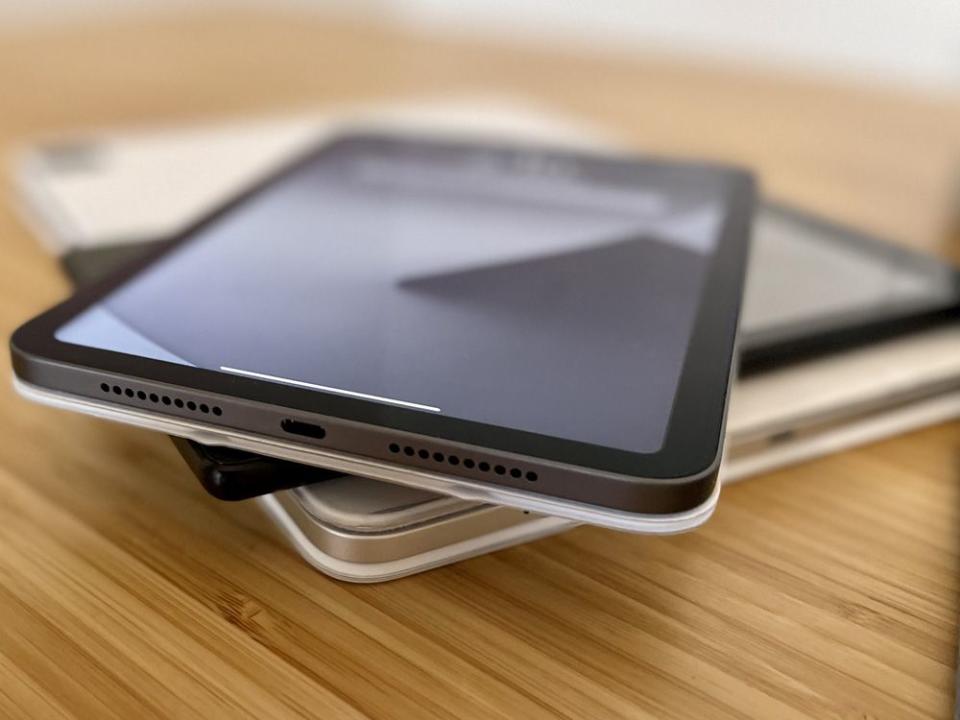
204	408
453	460
165	400
499	469
128	392
154	397
104	387
484	467
178	402
438	456
532	476
408	451
468	463
117	390
394	448
191	405
141	395
423	454
515	472
216	410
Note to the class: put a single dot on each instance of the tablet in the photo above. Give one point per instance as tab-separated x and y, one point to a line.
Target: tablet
815	286
544	329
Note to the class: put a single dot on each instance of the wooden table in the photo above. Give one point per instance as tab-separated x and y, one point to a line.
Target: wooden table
829	590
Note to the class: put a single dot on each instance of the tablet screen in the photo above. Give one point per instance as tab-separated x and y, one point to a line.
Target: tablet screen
502	287
808	277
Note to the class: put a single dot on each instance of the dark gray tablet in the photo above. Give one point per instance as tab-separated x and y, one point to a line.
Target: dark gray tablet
553	323
866	289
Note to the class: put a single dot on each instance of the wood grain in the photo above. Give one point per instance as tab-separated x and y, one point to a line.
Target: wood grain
829	590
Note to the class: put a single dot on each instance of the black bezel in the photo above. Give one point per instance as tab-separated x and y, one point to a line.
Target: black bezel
694	433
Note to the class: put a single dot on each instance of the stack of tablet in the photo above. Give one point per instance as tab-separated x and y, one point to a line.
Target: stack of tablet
872	323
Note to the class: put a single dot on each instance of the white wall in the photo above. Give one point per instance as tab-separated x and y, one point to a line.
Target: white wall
914	41
902	41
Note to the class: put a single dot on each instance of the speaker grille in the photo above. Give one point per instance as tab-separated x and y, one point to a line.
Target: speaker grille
481	466
153	398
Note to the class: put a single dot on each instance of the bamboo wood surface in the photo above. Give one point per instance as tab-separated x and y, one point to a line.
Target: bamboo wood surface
828	590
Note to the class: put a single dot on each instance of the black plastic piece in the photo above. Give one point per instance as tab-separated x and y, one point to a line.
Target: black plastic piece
229	474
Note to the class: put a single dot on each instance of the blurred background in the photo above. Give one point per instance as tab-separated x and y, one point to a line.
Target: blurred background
880	41
847	108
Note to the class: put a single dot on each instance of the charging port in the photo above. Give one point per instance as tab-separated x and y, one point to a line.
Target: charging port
298	427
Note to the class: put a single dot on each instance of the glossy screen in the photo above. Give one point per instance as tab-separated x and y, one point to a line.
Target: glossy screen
547	293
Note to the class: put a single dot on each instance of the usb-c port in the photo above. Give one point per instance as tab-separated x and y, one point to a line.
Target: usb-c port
298	427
